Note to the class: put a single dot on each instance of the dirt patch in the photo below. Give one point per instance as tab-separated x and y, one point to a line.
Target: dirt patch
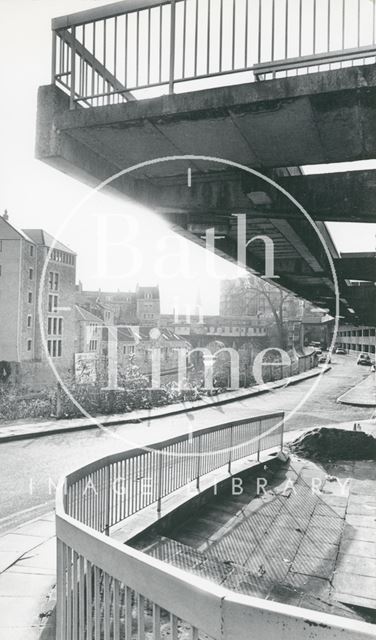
335	444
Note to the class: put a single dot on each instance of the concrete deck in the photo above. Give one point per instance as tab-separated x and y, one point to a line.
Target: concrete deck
315	550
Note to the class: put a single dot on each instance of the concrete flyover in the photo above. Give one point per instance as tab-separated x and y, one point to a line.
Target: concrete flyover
271	125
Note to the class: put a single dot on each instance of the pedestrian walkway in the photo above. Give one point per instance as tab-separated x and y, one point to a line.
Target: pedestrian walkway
363	394
27	581
28	567
16	431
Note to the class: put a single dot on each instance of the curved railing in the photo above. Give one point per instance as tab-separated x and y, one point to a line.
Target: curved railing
109	591
138	48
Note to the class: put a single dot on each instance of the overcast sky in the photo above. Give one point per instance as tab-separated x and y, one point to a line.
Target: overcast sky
39	196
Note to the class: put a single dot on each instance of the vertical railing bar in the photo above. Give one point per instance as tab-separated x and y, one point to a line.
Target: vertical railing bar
373	21
172	46
300	26
233	33
160	41
89	605
343	22
69	592
128	613
358	23
156	622
220	34
61	630
81	596
246	34
184	36
61	68
75	597
174	627
314	26
287	27
97	604
115	44
198	463
140	617
149	45
329	17
125	50
53	56
273	30
72	103
259	31
208	39
106	608
196	38
137	48
116	611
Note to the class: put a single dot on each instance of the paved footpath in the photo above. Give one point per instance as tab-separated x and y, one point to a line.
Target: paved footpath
27	581
17	431
363	394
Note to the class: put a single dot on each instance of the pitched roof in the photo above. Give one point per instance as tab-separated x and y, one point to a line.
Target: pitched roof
20	232
84	314
43	238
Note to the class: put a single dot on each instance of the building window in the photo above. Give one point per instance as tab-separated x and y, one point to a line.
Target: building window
54	348
93	344
52	303
31	274
54	326
0	270
29	321
1	245
29	345
31	250
29	297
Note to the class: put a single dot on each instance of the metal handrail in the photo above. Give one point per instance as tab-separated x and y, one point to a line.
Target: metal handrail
118	52
179	458
109	590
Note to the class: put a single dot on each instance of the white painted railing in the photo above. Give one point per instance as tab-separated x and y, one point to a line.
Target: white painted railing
109	591
136	48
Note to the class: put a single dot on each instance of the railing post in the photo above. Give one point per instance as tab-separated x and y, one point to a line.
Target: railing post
53	57
60	591
198	464
230	449
72	103
282	430
258	442
172	47
159	471
107	489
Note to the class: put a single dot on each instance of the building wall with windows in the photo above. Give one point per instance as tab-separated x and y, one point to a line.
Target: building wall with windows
357	338
23	254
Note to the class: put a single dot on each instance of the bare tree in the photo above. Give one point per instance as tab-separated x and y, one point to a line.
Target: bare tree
275	298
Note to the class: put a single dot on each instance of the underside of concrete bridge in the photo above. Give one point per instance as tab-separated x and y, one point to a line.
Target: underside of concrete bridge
271	126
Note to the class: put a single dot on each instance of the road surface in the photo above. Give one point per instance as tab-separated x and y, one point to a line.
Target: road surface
29	469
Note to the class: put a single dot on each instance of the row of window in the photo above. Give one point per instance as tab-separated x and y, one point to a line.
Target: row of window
367	348
357	332
54	348
61	256
55	326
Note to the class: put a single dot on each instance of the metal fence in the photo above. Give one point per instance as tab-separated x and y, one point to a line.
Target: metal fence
106	492
140	48
109	591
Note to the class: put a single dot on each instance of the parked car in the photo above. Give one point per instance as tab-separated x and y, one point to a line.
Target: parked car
341	351
325	358
364	359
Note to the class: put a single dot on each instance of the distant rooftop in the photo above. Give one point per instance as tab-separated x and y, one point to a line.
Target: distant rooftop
44	239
